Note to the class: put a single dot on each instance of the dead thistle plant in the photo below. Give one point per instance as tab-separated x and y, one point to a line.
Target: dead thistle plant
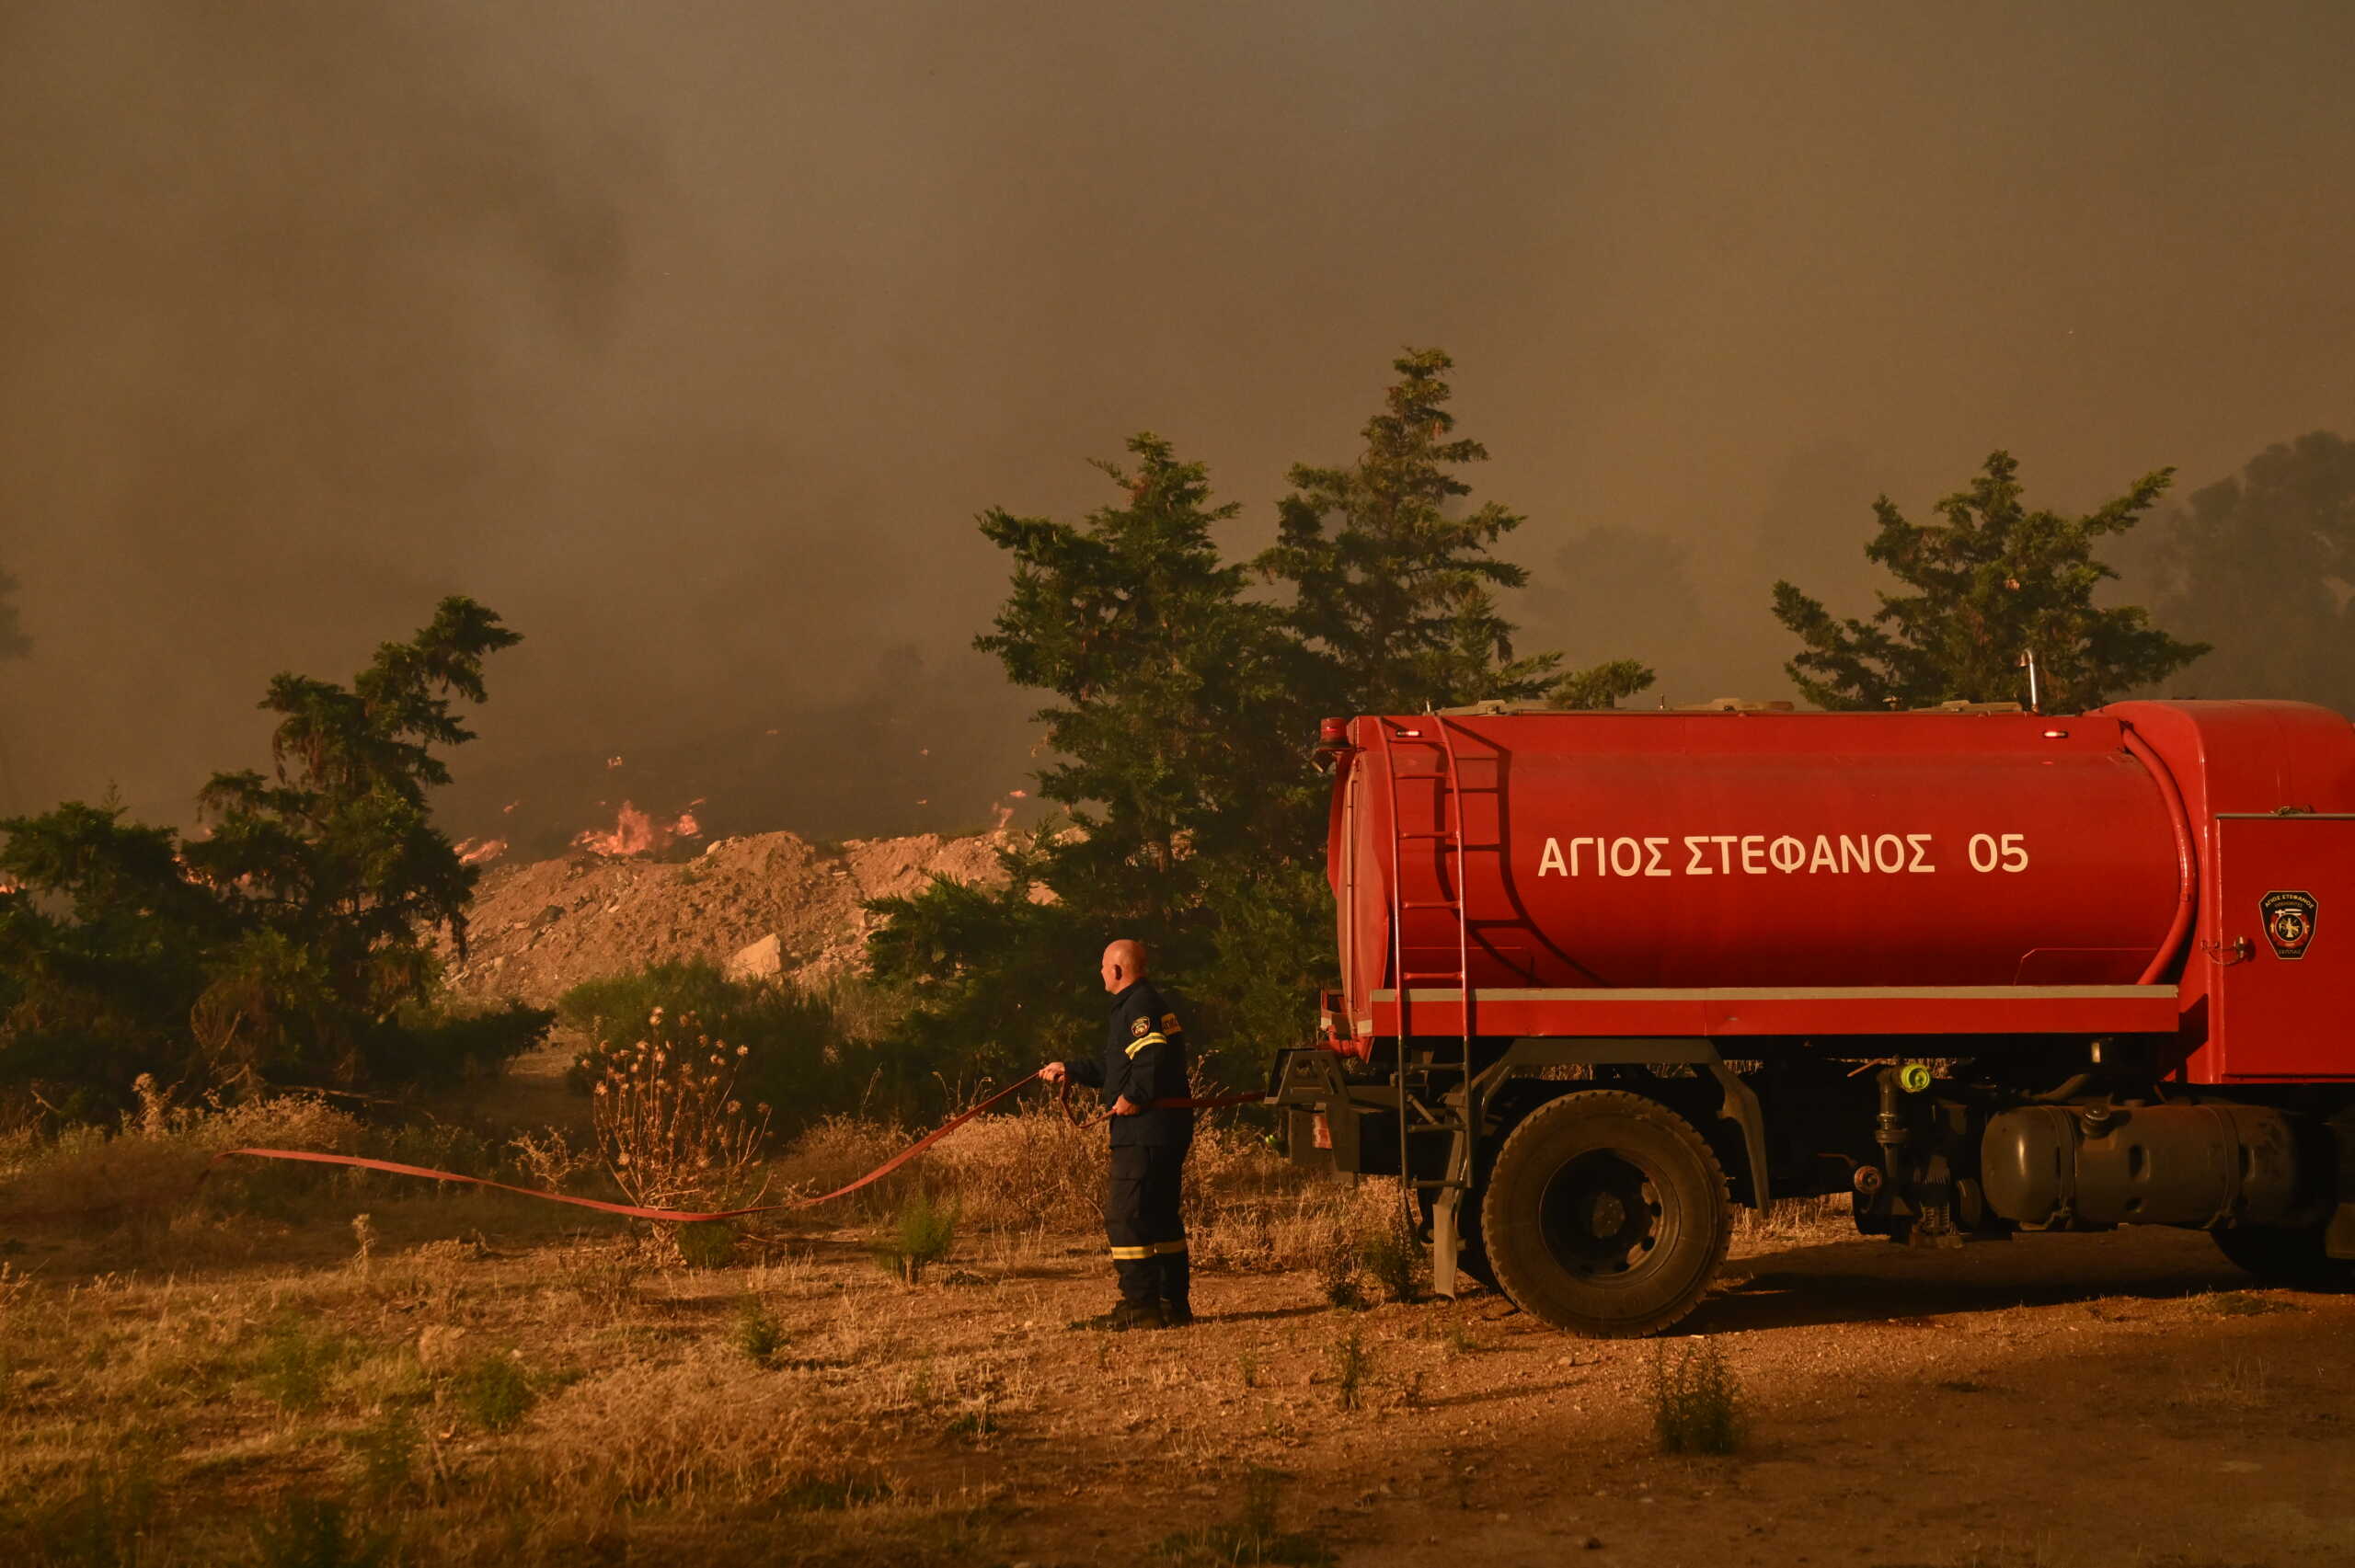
671	1127
363	1237
548	1159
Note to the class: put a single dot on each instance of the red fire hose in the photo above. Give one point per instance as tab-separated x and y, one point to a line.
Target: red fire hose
681	1217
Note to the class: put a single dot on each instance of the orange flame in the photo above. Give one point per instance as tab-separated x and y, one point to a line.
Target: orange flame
479	852
637	832
633	832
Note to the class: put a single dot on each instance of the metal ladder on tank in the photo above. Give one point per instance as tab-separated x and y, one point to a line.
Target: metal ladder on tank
1418	1118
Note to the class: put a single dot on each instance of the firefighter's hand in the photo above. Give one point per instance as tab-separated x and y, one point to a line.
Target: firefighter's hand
1125	1107
1052	1072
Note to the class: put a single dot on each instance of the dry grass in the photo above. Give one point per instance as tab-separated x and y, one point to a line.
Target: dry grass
152	1164
702	1429
1795	1222
476	1380
838	1150
300	1354
460	1409
1027	1174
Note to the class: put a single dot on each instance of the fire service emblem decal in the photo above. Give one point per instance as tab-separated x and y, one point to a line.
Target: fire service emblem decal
2289	922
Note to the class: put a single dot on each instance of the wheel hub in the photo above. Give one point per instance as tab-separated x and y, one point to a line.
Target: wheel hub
1603	1216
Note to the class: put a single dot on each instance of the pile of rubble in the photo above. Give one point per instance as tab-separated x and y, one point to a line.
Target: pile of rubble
770	904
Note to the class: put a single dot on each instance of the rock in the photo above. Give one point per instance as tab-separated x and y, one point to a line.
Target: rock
437	1346
760	960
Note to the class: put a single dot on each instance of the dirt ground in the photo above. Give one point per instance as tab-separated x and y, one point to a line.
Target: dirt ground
2119	1399
2123	1399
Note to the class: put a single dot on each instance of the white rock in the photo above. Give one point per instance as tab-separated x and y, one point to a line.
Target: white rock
762	960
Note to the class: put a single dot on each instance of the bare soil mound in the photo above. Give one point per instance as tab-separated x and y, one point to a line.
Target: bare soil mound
772	903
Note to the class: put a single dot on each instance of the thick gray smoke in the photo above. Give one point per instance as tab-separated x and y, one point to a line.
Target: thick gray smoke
691	337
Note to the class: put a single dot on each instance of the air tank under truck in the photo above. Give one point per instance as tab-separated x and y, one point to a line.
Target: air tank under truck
1606	975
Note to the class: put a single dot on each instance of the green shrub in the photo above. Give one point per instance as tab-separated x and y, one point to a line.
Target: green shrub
830	1493
1253	1538
705	1243
313	1533
1340	1270
1395	1257
494	1392
103	1523
1352	1369
1696	1403
812	1052
387	1454
439	1146
755	1333
921	1236
436	1044
294	1365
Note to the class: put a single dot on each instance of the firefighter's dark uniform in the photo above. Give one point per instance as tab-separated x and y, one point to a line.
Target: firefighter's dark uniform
1145	1059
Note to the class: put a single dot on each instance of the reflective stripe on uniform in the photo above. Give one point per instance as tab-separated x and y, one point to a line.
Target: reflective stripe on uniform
1130	1254
1164	1249
1156	1038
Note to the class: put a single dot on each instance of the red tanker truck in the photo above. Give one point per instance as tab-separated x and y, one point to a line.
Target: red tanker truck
1606	975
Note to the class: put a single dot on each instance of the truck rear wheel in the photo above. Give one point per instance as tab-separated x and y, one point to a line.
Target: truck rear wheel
1605	1215
2294	1258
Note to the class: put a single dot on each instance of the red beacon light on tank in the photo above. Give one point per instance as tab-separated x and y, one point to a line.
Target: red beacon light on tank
1332	742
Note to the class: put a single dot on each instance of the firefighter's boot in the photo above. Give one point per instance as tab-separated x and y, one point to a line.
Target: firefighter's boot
1128	1315
1176	1285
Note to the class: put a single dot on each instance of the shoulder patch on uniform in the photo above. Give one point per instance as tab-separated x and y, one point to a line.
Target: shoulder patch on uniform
1140	1025
1169	1025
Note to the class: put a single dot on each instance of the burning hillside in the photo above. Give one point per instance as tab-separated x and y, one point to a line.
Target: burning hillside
766	904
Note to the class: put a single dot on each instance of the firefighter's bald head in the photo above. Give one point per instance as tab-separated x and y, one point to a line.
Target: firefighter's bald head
1124	964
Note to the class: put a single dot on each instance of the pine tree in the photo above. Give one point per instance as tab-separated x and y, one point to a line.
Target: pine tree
1393	581
291	941
1990	582
1187	710
1179	749
1176	713
338	869
2258	563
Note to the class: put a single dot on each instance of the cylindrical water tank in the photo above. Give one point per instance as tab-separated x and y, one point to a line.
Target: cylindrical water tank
1675	849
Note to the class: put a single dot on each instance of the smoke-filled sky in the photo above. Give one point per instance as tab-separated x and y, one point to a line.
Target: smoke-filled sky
691	337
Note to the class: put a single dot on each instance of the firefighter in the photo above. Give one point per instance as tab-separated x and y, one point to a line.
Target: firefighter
1144	1067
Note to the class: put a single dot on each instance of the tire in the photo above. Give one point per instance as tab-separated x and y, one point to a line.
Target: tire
2293	1258
1605	1215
